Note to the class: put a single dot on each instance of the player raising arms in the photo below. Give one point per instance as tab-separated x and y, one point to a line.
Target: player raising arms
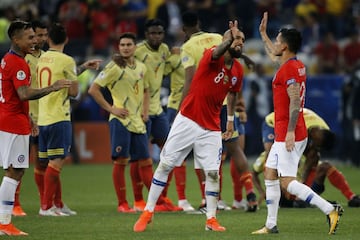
289	85
15	123
197	125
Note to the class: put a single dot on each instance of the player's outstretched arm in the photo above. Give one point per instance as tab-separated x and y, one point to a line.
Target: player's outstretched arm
269	46
28	93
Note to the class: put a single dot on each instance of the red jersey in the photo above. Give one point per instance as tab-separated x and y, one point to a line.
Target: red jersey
209	87
14	113
290	72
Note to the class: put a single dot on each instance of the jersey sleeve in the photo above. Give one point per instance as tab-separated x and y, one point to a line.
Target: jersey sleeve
108	75
70	71
187	59
21	74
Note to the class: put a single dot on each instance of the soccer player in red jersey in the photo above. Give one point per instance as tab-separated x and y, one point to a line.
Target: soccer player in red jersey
197	125
289	86
15	123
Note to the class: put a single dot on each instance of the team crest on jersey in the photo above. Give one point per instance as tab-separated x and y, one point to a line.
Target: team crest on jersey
185	59
21	158
101	74
233	80
21	75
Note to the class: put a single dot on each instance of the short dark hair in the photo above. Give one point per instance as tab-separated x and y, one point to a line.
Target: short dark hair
328	139
190	19
292	37
16	27
153	22
128	35
38	24
57	33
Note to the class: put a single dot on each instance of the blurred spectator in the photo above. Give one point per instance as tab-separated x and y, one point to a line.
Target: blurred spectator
170	14
7	15
137	10
73	15
336	16
305	8
101	29
48	9
328	53
244	12
204	9
351	53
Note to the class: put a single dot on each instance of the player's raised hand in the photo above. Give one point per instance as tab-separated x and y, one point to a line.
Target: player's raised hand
92	64
263	23
233	26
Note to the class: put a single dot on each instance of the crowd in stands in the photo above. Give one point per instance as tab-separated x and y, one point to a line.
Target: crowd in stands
330	30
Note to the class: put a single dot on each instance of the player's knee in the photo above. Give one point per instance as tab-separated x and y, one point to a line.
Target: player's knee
212	175
164	168
323	167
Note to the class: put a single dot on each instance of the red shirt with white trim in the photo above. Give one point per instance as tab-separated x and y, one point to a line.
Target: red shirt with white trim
14	113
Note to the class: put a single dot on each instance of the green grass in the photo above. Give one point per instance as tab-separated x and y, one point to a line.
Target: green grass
88	189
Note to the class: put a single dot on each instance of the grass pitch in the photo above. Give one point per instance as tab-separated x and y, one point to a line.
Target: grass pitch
88	189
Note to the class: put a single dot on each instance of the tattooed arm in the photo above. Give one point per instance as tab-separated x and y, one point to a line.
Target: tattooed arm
293	92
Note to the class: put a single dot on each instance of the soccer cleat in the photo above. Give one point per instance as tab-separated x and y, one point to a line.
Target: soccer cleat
124	208
52	212
213	225
185	205
202	208
66	210
18	211
144	219
139	205
266	230
354	202
334	217
11	230
243	204
221	205
252	203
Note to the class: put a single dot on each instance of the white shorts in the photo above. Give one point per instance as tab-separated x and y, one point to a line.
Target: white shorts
14	150
186	135
285	162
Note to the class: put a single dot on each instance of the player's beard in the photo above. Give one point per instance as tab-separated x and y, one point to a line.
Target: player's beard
235	53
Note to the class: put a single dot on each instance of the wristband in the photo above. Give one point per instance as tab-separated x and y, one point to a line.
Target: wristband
230	118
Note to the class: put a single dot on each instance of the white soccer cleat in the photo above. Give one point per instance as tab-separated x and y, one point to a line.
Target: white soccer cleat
221	205
185	205
66	210
52	212
243	204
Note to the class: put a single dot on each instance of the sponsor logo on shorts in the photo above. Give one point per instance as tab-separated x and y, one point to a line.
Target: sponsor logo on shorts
118	149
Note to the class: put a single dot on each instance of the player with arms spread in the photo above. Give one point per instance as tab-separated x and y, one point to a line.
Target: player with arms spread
197	125
290	130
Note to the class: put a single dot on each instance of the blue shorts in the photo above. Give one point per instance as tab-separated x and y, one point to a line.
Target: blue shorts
55	140
127	144
267	133
158	127
171	114
240	127
223	121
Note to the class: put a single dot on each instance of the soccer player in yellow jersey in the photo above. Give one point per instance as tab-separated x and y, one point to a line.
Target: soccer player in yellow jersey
54	115
153	52
312	171
128	82
191	53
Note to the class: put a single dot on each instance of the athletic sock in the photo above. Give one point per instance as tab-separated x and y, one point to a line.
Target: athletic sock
212	187
246	180
273	194
39	175
7	195
237	184
180	181
137	183
118	175
338	180
305	193
51	180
